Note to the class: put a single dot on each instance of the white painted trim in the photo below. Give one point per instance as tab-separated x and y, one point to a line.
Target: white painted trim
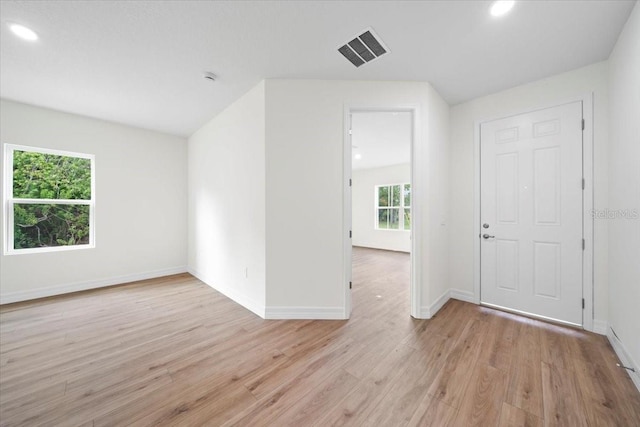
11	297
600	327
476	212
347	191
430	311
377	207
466	296
416	211
625	357
588	314
587	203
232	294
418	195
308	313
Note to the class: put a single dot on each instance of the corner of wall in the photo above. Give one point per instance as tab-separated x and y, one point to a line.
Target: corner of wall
226	242
600	327
306	313
625	357
463	295
436	155
238	297
427	312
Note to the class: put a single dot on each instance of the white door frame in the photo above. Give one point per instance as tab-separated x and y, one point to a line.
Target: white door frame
587	202
416	197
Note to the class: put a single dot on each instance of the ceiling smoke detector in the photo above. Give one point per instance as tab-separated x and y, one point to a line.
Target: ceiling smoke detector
363	48
209	76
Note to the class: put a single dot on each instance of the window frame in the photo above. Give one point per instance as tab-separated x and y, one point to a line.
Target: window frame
9	201
401	207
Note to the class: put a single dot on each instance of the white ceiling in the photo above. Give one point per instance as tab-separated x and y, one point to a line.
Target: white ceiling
141	62
381	139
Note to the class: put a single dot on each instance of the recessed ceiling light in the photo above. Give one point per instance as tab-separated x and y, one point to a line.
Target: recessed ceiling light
501	7
357	156
23	32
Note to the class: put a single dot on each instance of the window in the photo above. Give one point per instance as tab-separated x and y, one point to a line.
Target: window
49	200
393	207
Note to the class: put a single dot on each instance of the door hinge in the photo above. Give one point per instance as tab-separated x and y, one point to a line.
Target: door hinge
350	183
583	244
583	183
350	285
351	131
349	233
582	298
582	124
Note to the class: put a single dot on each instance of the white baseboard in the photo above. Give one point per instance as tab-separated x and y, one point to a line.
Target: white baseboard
625	357
402	250
461	295
600	327
232	294
311	313
429	311
11	297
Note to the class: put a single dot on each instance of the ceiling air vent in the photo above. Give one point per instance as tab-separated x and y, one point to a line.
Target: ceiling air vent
364	48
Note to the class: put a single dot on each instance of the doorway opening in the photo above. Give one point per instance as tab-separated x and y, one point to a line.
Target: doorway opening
380	212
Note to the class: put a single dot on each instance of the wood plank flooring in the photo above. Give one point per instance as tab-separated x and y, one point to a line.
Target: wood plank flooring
172	351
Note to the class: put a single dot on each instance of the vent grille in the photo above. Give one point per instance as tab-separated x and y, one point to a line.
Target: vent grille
364	48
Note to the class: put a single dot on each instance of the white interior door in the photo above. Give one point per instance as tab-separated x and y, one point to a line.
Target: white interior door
531	213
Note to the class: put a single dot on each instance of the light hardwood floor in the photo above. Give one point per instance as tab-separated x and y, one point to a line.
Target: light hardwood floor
174	352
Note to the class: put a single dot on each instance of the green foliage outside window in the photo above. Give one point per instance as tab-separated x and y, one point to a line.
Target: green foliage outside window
37	226
51	177
394	207
407	206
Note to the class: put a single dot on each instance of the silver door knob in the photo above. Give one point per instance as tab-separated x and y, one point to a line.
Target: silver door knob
486	236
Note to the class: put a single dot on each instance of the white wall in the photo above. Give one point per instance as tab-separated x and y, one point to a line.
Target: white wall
141	215
304	175
227	201
541	93
364	208
624	191
436	206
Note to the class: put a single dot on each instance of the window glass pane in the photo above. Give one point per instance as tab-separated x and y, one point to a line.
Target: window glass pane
383	196
407	195
50	176
407	219
383	218
37	226
395	190
394	219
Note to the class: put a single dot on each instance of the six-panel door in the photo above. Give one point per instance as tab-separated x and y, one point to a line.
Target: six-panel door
531	211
